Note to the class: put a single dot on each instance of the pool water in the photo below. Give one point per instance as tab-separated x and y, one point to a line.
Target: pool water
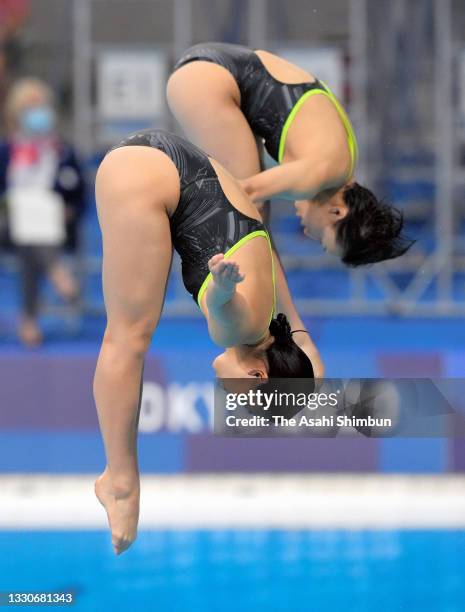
237	570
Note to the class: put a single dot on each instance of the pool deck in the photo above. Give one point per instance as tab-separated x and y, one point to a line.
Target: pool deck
243	501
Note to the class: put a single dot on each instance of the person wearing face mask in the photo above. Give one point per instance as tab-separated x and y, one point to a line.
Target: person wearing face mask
42	189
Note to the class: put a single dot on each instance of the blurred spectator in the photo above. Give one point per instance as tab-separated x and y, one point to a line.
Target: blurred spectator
42	186
13	13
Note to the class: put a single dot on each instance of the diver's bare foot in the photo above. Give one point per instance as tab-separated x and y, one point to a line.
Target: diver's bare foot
122	507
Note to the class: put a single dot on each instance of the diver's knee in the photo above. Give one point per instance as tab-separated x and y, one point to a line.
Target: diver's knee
132	338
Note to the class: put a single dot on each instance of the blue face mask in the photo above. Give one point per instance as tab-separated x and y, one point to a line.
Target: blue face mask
37	120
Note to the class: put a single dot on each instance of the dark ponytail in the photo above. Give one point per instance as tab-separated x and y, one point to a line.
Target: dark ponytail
285	358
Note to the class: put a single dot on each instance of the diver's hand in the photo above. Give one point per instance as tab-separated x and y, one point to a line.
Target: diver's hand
226	274
247	186
227	310
258	198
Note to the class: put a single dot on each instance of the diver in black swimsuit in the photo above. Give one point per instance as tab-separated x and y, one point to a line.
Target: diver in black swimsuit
265	102
155	190
231	100
205	222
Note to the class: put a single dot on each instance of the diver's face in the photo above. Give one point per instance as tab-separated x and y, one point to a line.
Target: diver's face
319	217
228	365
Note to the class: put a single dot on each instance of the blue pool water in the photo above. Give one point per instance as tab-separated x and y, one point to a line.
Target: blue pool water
190	571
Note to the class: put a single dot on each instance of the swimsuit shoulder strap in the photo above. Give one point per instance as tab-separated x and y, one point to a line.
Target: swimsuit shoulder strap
352	140
230	252
322	89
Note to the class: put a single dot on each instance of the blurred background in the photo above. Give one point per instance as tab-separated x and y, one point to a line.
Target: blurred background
275	524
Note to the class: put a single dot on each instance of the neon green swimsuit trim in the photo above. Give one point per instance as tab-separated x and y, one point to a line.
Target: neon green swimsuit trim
352	141
232	250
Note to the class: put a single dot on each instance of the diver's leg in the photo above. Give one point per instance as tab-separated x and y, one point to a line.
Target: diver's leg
205	99
137	255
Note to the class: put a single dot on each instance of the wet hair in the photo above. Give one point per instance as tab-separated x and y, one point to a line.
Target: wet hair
371	231
285	358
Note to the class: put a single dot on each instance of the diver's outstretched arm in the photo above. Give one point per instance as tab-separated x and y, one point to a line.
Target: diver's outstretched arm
296	180
231	320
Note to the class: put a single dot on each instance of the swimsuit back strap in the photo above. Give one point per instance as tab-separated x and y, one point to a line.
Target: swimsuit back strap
230	252
273	278
352	141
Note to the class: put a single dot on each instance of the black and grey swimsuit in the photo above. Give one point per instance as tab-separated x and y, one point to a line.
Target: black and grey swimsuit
205	222
268	104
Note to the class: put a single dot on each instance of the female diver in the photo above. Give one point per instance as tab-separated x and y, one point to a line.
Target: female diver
154	191
230	100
